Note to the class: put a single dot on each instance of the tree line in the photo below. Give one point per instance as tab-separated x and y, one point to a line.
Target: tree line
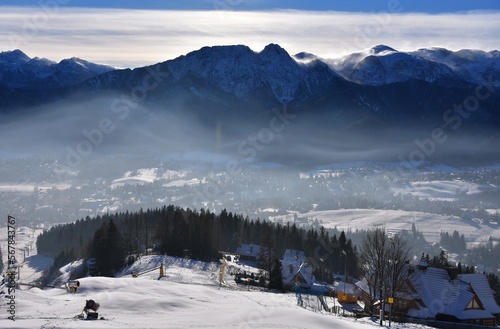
113	239
453	242
109	239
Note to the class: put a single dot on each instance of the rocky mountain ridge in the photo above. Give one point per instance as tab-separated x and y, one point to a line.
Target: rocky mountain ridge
366	100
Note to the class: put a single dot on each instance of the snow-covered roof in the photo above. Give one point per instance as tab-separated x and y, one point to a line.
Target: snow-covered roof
481	287
348	288
292	255
422	263
294	267
439	294
302	272
249	250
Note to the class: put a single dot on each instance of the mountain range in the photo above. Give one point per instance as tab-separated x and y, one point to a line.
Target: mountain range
377	95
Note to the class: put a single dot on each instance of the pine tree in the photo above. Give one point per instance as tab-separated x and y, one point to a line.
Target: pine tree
265	259
495	286
107	249
1	261
275	277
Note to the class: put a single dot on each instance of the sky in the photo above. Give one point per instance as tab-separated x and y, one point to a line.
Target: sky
137	33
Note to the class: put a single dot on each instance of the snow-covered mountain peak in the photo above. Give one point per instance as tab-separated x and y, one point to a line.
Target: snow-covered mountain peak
273	49
382	64
346	64
75	62
72	63
13	57
19	70
471	65
381	50
305	57
42	61
494	53
241	71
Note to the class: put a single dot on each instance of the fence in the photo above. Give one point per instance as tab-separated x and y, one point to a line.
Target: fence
446	325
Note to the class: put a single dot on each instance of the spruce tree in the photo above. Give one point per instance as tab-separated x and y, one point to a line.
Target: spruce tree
265	259
275	277
1	261
108	250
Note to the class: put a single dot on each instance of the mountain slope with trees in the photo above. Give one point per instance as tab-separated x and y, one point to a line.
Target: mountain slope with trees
202	235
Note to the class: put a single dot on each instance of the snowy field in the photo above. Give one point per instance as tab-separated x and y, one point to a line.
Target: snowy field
146	302
188	296
474	230
29	188
439	190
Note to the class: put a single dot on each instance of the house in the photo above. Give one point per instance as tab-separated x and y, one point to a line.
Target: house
479	284
295	270
442	295
248	252
347	293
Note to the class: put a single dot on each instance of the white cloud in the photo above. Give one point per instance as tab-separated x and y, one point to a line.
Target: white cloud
128	38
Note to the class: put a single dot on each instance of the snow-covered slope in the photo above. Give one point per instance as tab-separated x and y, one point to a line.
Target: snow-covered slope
472	65
187	297
382	65
475	230
240	71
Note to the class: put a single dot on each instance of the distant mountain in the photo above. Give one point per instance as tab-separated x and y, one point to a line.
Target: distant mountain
17	70
239	72
380	83
472	65
382	65
366	100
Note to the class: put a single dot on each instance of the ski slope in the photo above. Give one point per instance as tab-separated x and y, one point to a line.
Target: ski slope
145	303
188	296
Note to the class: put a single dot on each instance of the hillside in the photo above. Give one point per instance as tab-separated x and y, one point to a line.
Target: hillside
187	297
476	231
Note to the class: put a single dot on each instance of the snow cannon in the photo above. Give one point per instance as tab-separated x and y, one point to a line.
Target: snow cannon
72	286
90	309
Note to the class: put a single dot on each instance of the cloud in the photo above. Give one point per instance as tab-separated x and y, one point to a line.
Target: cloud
129	38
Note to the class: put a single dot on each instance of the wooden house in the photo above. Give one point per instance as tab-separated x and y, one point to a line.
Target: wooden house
442	295
248	252
347	293
295	270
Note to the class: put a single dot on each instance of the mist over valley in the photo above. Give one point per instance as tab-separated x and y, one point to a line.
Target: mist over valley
265	134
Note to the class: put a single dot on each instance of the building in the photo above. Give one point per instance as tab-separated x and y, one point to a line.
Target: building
479	284
248	252
347	293
295	270
442	295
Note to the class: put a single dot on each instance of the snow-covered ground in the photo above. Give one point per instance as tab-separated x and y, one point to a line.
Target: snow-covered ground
442	190
29	188
188	296
474	230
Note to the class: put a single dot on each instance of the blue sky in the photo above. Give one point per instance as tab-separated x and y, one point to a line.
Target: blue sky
427	6
137	33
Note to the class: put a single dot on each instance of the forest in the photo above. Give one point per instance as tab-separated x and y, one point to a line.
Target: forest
113	240
202	235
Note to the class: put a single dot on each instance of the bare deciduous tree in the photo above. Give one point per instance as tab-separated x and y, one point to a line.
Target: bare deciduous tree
383	259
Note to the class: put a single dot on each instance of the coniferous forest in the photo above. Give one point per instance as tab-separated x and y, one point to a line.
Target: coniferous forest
112	239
